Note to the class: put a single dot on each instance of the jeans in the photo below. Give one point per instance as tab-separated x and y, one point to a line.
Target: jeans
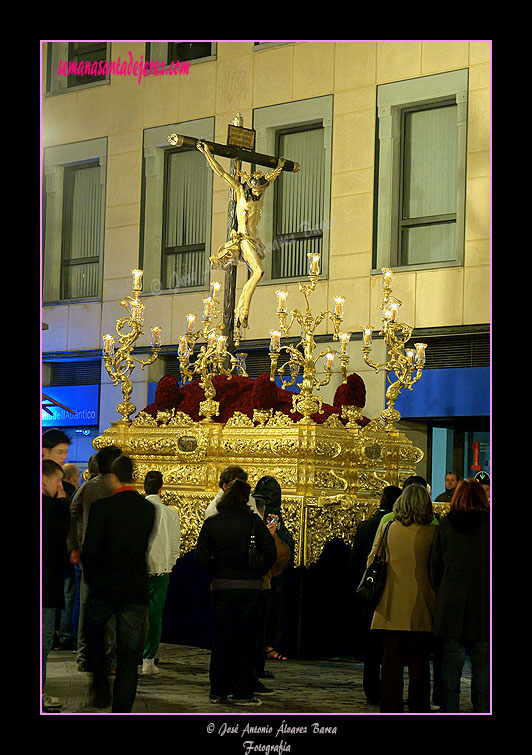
67	630
158	587
236	629
453	658
110	632
48	626
130	630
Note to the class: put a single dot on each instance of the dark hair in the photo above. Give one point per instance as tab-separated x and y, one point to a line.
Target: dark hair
105	458
122	467
52	438
389	496
451	471
51	467
235	497
153	482
230	473
414	480
469	496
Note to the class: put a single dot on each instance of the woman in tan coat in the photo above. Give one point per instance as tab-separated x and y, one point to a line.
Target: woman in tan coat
405	609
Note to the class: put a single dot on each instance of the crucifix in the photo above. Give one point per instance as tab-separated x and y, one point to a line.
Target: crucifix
246	198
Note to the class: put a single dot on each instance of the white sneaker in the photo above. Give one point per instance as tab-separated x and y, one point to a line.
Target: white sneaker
148	666
51	702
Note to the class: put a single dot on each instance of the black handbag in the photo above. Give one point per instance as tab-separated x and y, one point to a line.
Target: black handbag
373	580
254	556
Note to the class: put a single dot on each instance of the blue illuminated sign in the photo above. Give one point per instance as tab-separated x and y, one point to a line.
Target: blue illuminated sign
82	399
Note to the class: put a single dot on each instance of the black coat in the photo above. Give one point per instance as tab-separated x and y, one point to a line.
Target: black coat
460	575
114	550
363	543
55	556
223	545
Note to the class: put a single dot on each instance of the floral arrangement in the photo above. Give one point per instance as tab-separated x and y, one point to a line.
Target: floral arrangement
246	394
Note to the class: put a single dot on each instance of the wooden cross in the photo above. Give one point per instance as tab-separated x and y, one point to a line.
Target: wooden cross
239	148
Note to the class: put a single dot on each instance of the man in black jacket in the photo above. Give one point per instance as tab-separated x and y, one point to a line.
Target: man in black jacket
55	560
114	561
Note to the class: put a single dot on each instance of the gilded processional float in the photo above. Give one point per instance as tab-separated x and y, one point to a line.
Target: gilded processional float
331	462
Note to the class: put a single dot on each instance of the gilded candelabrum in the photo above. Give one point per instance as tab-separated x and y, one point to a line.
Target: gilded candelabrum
406	363
302	358
213	357
119	362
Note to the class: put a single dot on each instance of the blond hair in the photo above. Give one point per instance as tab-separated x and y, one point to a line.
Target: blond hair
413	506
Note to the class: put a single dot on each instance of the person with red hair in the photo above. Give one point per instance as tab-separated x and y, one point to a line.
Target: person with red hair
460	575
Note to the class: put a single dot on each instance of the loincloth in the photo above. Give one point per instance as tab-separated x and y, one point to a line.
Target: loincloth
230	253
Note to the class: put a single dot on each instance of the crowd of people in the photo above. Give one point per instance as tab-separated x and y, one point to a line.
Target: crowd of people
108	551
436	598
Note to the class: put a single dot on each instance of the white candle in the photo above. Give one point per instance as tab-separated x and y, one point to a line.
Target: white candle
387	277
190	320
207	304
328	361
281	300
137	279
108	345
367	331
182	348
221	344
344	339
275	340
410	354
215	288
339	305
156	336
420	354
314	263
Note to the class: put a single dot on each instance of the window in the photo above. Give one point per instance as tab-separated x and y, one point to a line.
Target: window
183	258
296	211
73	220
195	52
82	232
298	204
176	210
420	172
76	64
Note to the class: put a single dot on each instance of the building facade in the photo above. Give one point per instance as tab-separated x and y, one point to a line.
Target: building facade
394	143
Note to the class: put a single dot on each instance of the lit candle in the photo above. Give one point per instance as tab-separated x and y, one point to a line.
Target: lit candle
344	340
190	320
211	340
221	344
314	263
339	305
215	288
182	348
136	310
156	336
410	354
367	331
328	361
281	300
108	345
275	340
137	279
207	304
393	311
420	354
387	277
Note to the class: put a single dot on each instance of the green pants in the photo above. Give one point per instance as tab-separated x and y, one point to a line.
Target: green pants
157	585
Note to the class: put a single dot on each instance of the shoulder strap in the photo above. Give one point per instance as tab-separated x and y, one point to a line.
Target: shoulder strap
384	537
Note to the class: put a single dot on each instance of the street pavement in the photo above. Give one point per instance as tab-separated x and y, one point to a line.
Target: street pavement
305	687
